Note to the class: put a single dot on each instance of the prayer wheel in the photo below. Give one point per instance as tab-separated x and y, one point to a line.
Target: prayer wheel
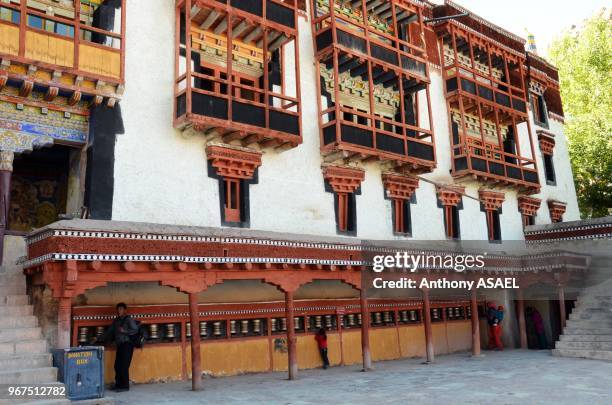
413	316
469	312
257	326
457	312
404	316
99	332
217	328
350	320
387	317
435	314
83	332
318	323
273	324
203	331
244	328
328	321
284	324
170	331
188	329
377	318
359	319
232	327
296	322
153	331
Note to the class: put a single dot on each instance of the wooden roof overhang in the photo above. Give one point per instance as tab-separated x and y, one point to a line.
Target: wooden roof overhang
74	256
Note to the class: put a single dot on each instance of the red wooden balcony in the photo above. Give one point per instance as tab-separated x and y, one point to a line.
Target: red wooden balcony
237	71
73	46
374	82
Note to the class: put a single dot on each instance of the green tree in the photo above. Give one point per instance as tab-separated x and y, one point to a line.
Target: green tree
584	58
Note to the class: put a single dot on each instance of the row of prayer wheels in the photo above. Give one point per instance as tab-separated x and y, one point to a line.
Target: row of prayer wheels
250	327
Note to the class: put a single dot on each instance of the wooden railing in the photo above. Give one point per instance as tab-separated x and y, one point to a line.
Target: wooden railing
68	48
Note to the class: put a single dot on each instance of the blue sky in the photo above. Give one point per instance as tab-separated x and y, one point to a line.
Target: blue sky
546	19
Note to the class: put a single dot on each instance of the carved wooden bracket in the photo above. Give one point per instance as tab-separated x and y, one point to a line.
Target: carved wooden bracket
491	200
343	179
399	187
450	195
233	162
556	209
547	142
528	205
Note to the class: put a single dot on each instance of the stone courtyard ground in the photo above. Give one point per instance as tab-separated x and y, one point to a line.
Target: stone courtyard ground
509	377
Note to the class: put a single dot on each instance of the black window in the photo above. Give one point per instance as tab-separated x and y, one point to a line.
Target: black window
493	225
402	221
540	113
346	220
451	222
549	169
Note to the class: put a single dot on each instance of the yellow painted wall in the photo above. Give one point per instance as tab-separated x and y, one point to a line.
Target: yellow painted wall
49	49
412	341
351	347
384	344
232	358
224	358
9	39
439	338
459	336
100	61
279	353
149	364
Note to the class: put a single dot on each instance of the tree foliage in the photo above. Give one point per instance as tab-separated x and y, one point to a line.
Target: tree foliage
584	58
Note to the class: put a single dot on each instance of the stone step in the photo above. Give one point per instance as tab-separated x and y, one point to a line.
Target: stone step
16	334
15	300
590	324
591	316
16	310
29	376
23	346
26	361
584	354
586	338
18	321
607	346
571	330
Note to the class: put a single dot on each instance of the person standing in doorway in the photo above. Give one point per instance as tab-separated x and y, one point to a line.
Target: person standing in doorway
321	338
494	318
120	331
539	329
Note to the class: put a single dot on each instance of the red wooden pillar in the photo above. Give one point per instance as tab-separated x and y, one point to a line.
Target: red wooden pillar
6	171
429	345
521	319
562	314
291	339
64	315
475	323
365	329
196	363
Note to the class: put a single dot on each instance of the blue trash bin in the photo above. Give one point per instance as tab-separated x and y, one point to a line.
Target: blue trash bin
81	369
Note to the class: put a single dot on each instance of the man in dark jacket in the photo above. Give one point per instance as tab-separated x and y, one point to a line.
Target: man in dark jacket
121	329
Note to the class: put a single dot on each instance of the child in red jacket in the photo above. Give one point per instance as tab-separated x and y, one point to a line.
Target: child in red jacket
321	338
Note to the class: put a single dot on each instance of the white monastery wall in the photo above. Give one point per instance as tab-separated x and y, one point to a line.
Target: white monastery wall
161	175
